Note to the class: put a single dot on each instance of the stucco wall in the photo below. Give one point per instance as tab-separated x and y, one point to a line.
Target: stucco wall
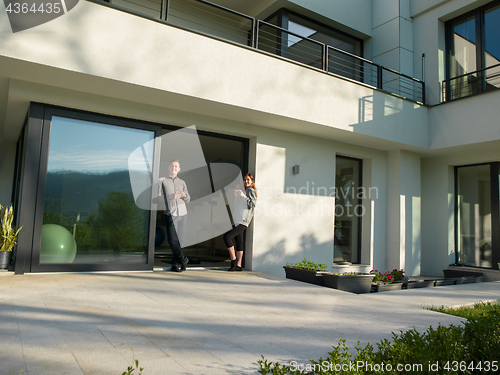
466	121
105	43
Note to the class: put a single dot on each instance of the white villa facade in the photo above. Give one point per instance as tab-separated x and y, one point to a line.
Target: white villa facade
386	156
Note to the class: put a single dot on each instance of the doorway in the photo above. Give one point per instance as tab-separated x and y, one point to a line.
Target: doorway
216	149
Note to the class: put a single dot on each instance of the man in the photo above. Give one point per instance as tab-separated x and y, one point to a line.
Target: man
174	192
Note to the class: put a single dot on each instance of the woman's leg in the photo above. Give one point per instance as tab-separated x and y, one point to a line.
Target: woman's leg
239	245
237	234
232	254
239	257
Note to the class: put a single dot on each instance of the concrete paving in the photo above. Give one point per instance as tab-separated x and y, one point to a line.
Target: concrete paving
199	321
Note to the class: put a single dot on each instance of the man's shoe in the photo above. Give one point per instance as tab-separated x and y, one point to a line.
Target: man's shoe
183	264
176	268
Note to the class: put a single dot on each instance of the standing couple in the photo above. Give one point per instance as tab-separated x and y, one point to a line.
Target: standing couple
174	191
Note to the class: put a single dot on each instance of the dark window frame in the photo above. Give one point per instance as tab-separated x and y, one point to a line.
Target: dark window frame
282	15
360	201
478	14
495	213
29	189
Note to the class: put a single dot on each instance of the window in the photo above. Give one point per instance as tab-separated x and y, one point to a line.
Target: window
297	44
75	196
89	210
348	210
477	219
473	45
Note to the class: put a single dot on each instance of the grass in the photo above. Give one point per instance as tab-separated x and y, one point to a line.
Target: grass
469	348
470	311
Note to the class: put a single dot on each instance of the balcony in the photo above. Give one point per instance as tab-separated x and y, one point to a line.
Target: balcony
219	22
470	84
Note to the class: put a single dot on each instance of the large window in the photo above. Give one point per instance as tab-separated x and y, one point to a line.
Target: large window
75	197
478	215
348	210
473	44
296	44
90	215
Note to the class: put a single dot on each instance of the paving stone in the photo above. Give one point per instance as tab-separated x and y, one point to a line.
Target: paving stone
198	322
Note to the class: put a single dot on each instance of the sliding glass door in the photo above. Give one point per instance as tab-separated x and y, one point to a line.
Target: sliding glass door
85	215
477	222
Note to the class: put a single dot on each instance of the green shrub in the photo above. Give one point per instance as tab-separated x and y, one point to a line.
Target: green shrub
307	265
471	348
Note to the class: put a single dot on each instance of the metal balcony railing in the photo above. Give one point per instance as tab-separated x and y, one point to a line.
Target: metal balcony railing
214	20
472	83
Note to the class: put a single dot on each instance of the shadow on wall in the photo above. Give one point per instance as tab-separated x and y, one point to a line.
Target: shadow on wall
385	116
272	261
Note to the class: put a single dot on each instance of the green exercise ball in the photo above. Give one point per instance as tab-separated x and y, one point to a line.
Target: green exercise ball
58	245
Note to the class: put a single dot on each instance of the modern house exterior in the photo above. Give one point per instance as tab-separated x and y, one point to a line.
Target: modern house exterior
371	127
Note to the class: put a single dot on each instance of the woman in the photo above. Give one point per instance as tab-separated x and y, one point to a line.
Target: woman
245	204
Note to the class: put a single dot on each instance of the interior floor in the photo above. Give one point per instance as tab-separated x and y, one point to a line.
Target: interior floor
198	257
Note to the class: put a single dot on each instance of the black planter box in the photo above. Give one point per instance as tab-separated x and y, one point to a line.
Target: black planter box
306	276
460	273
444	282
386	287
349	283
419	284
469	279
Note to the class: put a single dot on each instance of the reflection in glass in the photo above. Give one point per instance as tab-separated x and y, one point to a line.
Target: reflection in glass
463	58
492	49
463	48
492	36
474	216
298	48
325	35
88	198
348	210
209	210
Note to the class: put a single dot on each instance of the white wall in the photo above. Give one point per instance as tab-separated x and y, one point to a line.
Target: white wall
466	121
404	210
392	44
438	225
125	56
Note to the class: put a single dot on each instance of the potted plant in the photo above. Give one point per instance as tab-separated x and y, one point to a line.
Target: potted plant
8	236
383	282
306	271
353	282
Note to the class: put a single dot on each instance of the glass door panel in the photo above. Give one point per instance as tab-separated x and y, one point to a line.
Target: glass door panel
347	210
474	216
491	36
89	212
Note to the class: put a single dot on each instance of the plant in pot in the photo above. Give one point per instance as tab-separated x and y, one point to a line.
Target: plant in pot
353	282
8	235
306	271
390	280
